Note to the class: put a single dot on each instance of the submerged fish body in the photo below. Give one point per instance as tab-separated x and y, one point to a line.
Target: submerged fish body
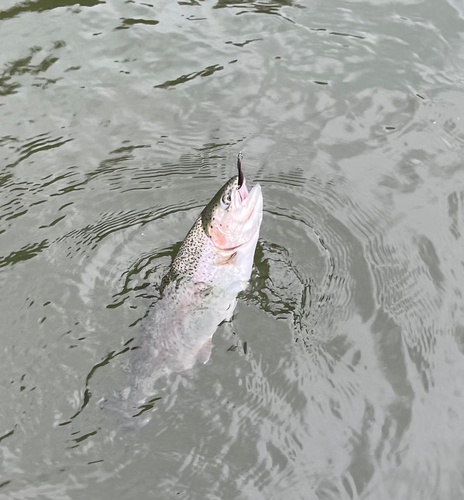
199	291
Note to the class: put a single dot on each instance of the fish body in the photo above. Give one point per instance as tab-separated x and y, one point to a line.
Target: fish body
200	289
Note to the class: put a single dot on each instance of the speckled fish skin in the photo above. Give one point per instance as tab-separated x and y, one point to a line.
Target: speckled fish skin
213	264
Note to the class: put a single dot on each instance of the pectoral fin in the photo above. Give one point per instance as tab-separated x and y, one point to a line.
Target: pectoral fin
205	352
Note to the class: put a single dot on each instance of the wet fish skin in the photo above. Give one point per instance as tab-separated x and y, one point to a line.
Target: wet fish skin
199	291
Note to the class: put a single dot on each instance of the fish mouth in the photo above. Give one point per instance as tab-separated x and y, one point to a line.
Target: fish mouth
252	200
243	191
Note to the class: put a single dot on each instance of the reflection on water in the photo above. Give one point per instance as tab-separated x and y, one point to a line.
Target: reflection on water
341	373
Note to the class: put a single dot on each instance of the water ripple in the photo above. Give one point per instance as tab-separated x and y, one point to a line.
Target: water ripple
127	23
27	252
341	373
40	6
208	71
28	65
108	224
43	142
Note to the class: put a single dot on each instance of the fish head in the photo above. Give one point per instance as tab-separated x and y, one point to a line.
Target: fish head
233	217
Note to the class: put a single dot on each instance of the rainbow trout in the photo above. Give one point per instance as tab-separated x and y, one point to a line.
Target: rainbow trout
200	289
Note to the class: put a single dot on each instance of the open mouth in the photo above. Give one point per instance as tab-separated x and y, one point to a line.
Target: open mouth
243	192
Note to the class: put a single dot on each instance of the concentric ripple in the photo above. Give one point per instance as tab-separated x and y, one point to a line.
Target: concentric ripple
341	373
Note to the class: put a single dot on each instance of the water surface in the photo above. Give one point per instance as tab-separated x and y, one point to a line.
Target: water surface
341	375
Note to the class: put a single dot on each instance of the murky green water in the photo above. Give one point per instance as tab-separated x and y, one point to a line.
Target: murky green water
341	375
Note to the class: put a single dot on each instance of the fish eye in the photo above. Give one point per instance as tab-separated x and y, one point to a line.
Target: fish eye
226	200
